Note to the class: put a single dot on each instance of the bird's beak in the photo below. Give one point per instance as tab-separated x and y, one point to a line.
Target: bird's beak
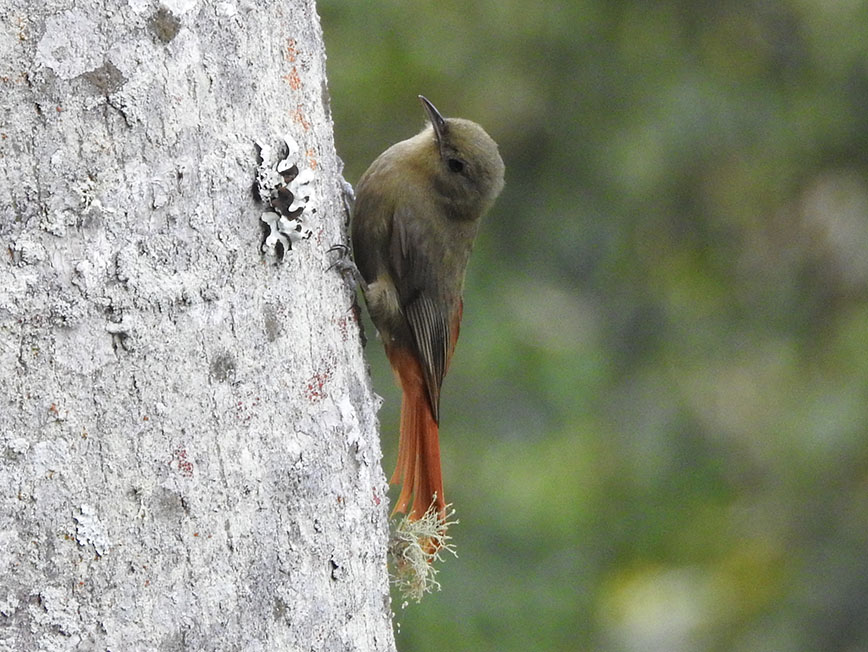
437	120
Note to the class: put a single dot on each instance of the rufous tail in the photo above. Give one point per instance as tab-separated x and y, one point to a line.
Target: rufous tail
418	468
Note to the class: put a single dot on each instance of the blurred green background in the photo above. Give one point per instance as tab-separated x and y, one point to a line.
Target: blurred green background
654	427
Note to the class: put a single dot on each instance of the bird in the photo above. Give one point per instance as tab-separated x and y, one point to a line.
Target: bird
415	218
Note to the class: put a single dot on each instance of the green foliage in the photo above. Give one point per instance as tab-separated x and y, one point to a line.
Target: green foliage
654	428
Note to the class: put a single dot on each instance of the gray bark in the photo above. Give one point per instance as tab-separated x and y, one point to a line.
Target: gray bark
188	440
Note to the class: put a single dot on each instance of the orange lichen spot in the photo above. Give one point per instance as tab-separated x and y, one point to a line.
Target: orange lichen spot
315	390
293	79
291	53
310	153
298	116
185	466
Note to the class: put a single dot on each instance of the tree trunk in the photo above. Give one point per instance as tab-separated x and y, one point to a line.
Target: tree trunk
188	440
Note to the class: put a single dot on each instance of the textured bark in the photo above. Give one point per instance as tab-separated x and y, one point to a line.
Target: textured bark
188	440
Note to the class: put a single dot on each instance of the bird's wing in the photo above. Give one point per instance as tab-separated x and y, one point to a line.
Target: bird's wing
431	316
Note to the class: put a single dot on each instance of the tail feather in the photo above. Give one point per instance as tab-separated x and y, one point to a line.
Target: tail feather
418	469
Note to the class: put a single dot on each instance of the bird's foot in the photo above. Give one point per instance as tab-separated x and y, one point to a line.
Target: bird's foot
345	265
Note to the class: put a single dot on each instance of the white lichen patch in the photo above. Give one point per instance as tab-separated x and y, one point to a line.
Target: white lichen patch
58	610
414	550
86	191
26	251
9	604
18	446
70	45
90	530
287	190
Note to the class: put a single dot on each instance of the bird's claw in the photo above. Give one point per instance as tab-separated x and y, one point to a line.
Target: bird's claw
345	265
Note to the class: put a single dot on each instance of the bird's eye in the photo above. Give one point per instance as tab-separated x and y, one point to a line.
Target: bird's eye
455	165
